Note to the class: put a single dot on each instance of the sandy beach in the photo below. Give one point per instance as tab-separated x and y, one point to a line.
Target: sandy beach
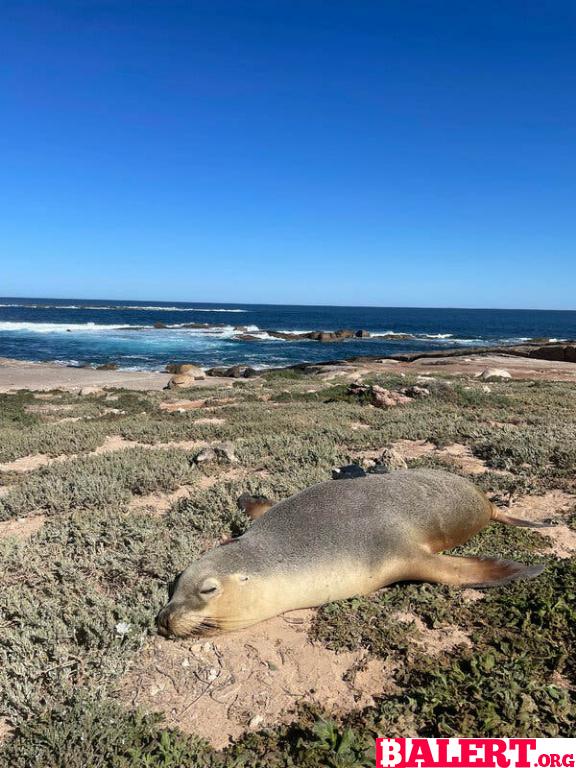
15	374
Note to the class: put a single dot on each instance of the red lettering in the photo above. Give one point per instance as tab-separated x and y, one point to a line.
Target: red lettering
495	749
443	752
522	746
555	761
469	751
420	755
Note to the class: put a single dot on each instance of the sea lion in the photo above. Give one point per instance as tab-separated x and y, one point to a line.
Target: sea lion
336	540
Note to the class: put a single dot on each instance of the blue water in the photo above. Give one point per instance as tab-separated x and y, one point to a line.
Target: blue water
75	331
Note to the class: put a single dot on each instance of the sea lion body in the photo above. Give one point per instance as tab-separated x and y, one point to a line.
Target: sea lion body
337	540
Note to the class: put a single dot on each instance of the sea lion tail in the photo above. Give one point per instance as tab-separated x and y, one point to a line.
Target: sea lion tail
502	517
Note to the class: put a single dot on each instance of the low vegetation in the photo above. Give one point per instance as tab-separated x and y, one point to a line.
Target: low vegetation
79	597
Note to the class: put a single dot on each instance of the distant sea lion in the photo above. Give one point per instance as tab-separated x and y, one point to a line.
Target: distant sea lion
337	540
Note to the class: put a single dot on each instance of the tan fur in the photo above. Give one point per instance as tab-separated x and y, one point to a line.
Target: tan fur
338	540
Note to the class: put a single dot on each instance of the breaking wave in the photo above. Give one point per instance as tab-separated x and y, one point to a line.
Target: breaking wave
122	307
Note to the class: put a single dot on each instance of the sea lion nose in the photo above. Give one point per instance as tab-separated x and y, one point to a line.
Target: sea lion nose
163	621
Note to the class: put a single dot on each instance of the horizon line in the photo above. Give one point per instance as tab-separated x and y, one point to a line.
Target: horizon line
274	304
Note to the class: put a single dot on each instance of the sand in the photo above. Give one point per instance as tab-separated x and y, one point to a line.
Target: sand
15	374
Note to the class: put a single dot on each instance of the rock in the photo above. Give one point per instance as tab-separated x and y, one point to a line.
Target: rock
241	372
362	334
395	336
348	472
247	337
494	374
107	367
388	461
556	352
378	396
186	369
326	336
486	389
416	391
386	398
158	324
86	391
205	456
179	381
344	334
218	371
225	451
256	722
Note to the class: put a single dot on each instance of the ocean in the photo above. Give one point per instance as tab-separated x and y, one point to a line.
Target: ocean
79	332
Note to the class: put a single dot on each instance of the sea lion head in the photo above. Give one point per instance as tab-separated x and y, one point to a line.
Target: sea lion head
208	599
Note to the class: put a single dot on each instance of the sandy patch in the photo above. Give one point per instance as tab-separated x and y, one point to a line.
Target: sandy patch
434	641
210	420
207	481
26	463
470	595
158	503
457	455
357	425
413	449
250	679
21	528
553	506
462	457
111	444
49	409
181	406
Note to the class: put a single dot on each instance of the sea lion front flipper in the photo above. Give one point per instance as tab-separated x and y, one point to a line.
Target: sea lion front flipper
254	506
474	571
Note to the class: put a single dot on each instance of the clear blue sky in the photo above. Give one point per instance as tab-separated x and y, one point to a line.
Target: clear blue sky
365	152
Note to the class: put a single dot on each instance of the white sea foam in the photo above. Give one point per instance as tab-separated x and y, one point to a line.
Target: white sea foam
31	327
59	327
121	307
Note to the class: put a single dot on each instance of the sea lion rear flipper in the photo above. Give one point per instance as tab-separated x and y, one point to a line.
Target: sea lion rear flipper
474	571
502	517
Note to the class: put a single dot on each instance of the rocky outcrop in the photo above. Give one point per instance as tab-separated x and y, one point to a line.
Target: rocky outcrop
388	461
416	391
180	381
494	374
378	396
186	369
565	353
235	372
219	452
342	334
